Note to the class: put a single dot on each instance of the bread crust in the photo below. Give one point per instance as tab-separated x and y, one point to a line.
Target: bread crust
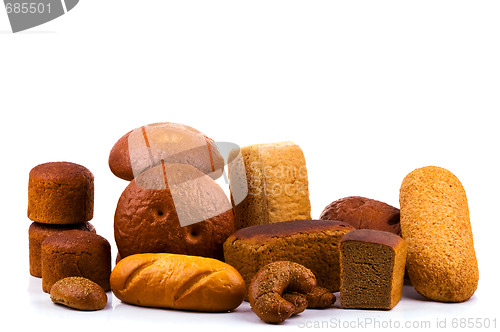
435	222
266	231
177	282
374	236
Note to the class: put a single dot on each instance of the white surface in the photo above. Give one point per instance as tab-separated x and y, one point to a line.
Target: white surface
412	312
369	89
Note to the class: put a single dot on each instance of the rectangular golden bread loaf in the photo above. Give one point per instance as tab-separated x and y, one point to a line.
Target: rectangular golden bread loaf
275	175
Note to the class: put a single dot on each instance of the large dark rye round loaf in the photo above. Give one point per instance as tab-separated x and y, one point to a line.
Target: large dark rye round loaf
173	208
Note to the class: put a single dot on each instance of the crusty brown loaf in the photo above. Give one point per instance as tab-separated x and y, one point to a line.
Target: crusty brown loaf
75	253
364	213
177	282
167	141
38	233
147	221
60	193
312	243
277	182
435	222
372	265
78	293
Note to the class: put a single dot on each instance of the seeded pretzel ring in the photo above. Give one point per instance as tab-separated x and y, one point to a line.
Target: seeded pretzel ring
282	289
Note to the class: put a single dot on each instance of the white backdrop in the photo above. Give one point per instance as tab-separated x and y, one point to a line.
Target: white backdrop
369	89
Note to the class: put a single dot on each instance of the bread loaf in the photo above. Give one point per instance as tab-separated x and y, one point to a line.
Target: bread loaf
435	223
145	147
364	213
177	282
312	243
75	253
60	193
276	177
173	208
78	293
372	265
39	232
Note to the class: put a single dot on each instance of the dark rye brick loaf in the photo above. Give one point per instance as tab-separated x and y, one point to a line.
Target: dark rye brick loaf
372	269
311	243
